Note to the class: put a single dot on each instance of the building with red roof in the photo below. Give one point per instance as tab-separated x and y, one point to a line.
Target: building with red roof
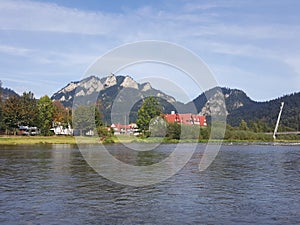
187	119
125	129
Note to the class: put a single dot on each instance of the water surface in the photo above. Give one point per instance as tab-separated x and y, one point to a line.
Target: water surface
246	184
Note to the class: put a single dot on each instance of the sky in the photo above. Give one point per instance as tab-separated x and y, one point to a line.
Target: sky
249	45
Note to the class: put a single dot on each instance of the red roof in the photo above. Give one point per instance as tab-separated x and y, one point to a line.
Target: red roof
188	119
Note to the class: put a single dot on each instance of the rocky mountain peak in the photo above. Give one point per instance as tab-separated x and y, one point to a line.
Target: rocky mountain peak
70	87
146	86
215	105
128	82
91	85
111	80
105	87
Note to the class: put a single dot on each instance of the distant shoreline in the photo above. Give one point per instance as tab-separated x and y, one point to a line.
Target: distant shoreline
32	140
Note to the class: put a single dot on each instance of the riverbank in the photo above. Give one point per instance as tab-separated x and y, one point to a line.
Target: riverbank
30	140
18	140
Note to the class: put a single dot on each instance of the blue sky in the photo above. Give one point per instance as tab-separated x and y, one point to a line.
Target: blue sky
250	45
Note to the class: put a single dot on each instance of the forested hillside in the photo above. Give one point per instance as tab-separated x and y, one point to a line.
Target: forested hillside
240	107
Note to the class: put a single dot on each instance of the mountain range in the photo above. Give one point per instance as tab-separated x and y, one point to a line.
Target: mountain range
121	94
117	93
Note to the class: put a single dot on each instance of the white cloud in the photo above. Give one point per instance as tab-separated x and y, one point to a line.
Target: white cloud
34	16
262	31
49	57
65	59
13	50
142	22
207	28
203	6
243	50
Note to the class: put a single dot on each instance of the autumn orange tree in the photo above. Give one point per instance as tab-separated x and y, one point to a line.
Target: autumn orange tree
61	114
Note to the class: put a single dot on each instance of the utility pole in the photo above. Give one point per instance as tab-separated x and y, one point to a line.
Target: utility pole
278	119
298	120
125	124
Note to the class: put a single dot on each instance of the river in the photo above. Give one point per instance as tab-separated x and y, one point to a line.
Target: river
245	184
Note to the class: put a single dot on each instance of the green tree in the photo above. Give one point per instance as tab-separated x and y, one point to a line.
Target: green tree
158	127
190	132
173	131
243	125
45	116
149	110
28	110
254	126
259	126
98	115
1	108
217	129
106	134
205	132
87	118
84	118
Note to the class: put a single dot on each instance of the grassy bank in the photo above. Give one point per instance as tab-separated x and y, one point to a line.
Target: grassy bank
16	140
31	140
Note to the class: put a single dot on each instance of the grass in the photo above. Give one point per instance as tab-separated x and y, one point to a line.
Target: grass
16	140
31	140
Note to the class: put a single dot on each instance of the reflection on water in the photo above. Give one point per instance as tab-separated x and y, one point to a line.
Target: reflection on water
52	184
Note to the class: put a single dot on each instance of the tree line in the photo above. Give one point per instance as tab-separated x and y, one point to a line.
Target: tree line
43	113
26	110
151	123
